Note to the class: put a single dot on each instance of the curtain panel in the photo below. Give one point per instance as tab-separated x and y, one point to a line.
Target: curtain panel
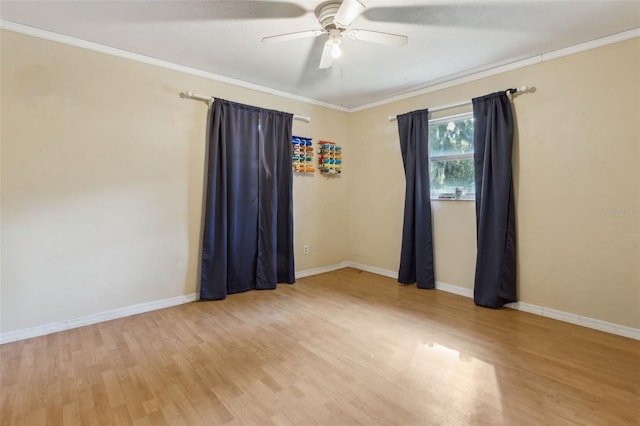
416	257
495	276
248	224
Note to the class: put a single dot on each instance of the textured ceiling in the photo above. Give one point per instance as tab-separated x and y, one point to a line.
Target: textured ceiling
446	38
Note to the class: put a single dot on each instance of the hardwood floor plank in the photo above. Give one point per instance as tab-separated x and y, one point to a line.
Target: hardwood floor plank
71	414
341	348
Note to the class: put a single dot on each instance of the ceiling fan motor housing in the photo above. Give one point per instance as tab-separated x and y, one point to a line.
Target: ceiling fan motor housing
326	13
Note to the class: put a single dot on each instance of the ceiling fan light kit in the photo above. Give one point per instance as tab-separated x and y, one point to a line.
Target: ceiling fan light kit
336	52
335	18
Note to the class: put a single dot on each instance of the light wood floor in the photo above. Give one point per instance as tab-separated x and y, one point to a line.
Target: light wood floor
346	347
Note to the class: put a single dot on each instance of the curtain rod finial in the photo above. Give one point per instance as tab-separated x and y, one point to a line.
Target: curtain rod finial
519	90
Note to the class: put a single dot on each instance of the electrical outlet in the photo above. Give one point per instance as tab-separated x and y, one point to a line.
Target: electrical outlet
305	249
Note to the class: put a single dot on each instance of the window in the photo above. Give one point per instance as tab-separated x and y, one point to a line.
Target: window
451	157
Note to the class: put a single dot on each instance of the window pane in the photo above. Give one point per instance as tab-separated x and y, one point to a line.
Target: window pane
451	157
447	176
451	137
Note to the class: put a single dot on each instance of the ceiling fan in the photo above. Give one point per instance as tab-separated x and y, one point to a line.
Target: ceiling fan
335	17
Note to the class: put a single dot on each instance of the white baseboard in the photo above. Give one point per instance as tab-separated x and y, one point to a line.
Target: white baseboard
322	270
372	269
608	327
460	291
40	330
394	274
596	324
54	327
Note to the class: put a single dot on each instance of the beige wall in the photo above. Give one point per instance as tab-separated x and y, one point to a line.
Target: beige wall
102	181
576	166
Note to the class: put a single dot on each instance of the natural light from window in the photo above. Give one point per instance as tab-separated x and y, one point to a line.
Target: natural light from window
451	157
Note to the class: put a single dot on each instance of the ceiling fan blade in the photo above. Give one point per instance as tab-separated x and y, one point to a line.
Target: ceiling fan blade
292	36
378	37
348	12
327	58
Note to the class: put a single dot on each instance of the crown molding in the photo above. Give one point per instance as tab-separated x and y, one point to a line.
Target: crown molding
456	80
432	86
96	47
593	44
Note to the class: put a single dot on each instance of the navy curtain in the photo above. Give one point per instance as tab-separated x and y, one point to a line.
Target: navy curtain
416	258
495	279
248	226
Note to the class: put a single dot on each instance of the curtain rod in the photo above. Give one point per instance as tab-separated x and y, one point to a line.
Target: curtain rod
521	89
209	99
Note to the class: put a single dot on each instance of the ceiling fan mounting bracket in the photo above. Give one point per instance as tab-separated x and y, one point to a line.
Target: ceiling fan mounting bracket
326	13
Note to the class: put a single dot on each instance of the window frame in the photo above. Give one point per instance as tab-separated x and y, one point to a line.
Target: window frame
469	196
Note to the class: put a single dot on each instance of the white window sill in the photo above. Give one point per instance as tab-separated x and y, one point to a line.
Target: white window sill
464	198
